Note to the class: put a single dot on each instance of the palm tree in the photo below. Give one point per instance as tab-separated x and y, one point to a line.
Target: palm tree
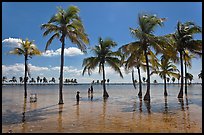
189	77
28	49
4	79
147	25
173	79
103	55
66	24
200	75
155	81
168	79
135	58
183	40
38	79
166	69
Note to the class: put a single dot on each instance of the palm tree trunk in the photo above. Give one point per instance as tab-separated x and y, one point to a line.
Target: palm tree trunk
185	76
25	77
140	83
147	95
165	91
180	95
61	71
105	93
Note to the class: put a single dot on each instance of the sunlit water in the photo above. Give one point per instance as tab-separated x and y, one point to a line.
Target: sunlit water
123	111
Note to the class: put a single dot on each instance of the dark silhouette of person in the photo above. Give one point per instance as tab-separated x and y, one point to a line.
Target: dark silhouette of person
91	89
77	96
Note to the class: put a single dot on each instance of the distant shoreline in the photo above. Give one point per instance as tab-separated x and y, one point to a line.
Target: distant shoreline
95	84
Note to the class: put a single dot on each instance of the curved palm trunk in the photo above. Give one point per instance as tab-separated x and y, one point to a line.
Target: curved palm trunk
147	95
185	76
133	80
165	91
140	83
105	93
25	77
61	72
180	95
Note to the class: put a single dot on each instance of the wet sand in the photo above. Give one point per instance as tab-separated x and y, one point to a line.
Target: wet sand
116	114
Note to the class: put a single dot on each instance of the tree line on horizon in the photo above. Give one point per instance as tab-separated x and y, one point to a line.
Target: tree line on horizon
150	53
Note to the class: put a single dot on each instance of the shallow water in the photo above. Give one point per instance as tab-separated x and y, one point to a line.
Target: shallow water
123	111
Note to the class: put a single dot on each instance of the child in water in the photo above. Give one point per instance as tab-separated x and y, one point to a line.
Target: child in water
77	96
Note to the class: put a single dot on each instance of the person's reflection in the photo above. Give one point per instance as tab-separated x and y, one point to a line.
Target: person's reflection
140	108
91	96
23	116
33	105
60	118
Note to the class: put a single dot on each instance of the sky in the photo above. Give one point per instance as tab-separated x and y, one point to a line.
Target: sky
21	20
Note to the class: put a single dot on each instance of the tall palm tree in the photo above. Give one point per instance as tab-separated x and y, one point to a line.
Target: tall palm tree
183	40
103	55
66	24
27	49
147	25
166	69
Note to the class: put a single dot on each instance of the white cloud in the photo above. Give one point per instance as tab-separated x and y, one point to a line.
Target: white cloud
71	51
11	42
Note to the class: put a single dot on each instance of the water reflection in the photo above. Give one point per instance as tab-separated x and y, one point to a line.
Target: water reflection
181	103
104	112
165	105
148	106
140	107
91	96
185	111
60	118
23	116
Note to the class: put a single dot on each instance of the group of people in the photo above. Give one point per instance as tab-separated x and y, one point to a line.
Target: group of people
90	94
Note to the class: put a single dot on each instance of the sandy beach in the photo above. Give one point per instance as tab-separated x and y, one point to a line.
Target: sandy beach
122	114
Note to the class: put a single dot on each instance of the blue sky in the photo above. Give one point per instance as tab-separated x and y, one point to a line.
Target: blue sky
105	19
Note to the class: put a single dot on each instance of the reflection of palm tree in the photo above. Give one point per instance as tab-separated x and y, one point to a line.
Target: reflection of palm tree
23	116
66	24
148	106
103	55
28	49
60	118
165	105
